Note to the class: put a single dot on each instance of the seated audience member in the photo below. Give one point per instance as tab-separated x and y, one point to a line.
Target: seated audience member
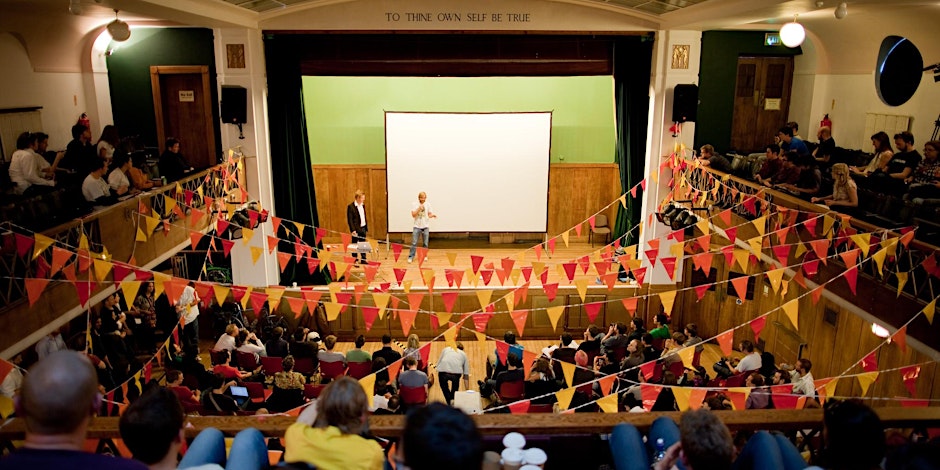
826	147
277	346
592	340
413	347
224	367
650	353
780	377
670	354
708	157
327	355
26	168
637	329
809	179
117	179
883	154
616	337
59	398
80	154
172	165
451	366
692	338
564	342
227	340
661	331
50	343
139	180
514	348
631	364
217	398
288	388
411	376
925	182
249	343
49	162
392	406
390	355
583	373
853	437
790	142
541	381
300	347
357	354
95	188
773	165
513	373
844	190
759	398
750	362
382	379
796	129
438	437
13	382
174	383
900	167
805	385
152	429
666	400
108	142
329	434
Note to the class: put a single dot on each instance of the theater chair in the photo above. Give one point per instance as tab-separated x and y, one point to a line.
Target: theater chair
305	365
312	391
256	392
358	370
217	357
272	365
413	396
511	391
332	370
246	360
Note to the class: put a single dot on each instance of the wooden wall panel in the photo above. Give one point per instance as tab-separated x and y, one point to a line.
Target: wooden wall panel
576	191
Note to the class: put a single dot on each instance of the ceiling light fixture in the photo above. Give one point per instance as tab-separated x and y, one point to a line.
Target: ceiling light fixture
119	30
792	34
75	7
841	11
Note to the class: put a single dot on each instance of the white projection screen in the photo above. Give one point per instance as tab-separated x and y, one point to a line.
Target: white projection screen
482	172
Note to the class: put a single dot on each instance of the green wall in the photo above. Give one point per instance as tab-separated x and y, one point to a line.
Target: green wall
129	75
717	76
346	115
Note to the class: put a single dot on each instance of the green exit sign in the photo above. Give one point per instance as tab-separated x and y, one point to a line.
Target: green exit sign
772	39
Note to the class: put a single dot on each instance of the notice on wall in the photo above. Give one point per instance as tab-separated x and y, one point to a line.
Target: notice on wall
187	96
772	104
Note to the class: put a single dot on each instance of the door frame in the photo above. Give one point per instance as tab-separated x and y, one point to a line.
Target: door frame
155	72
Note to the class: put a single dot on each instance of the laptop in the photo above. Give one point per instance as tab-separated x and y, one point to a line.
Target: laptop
240	394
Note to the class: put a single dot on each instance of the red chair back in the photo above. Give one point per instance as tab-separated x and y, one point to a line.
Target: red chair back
736	380
658	344
413	395
312	391
620	353
256	391
217	357
358	370
246	360
271	365
541	408
304	365
587	389
332	370
511	391
677	368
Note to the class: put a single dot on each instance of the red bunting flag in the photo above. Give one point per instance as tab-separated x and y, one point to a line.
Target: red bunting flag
649	393
24	244
670	265
551	245
312	264
701	289
728	251
399	274
369	314
449	298
851	277
258	300
34	288
480	319
870	362
526	272
84	290
227	247
821	248
319	234
507	264
487	275
909	375
901	338
811	267
518	318
703	261
639	274
121	271
551	290
648	369
732	233
592	310
221	225
519	407
569	270
396	251
757	325
651	255
782	252
816	294
475	261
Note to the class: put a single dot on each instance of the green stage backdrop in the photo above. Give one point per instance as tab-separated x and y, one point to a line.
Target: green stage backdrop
346	115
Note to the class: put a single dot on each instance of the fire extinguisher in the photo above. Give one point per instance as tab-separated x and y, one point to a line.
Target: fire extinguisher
826	122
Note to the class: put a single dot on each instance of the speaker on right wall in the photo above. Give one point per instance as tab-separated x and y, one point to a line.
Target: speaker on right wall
234	104
684	103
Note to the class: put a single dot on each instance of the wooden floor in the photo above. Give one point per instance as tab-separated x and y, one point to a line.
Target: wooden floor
477	353
493	253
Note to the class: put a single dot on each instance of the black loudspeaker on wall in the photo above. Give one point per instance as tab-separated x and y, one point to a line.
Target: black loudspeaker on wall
684	103
234	105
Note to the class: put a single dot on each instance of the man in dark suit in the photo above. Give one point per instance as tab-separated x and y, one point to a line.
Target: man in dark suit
356	219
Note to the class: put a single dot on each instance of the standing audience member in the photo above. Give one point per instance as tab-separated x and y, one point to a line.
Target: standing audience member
329	435
438	437
422	214
51	343
844	190
451	365
188	307
58	401
144	311
152	429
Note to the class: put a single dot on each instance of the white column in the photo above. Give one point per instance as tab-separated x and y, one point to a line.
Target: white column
660	142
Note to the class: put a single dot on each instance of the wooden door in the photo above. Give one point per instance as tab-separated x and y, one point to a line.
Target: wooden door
761	101
183	106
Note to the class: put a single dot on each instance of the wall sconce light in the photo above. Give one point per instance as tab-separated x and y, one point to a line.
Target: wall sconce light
841	11
792	34
879	331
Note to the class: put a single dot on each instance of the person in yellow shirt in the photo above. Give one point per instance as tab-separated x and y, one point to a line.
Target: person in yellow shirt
330	436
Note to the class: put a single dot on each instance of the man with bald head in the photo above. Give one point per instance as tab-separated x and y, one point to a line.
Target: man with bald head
57	402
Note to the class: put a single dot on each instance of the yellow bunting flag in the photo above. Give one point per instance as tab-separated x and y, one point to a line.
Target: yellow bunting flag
554	313
862	241
792	309
472	277
274	297
381	299
427	275
324	256
830	387
667	298
677	249
481	337
682	394
514	275
247	233
83	242
332	310
406	285
129	289
760	224
757	246
929	310
158	280
800	249
508	298
879	258
775	277
623	201
902	280
334	288
564	397
221	293
704	226
865	380
450	337
256	253
151	223
582	285
300	229
687	355
564	237
828	222
741	257
567	370
170	203
368	385
484	297
102	268
451	258
42	242
609	403
140	237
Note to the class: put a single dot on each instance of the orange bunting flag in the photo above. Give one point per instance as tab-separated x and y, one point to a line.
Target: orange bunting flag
851	277
900	337
272	243
630	304
283	259
726	341
821	248
606	384
519	407
649	393
407	318
174	289
34	288
59	258
296	306
414	299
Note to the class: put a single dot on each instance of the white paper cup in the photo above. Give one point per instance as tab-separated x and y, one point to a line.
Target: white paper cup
513	457
536	457
514	440
530	467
